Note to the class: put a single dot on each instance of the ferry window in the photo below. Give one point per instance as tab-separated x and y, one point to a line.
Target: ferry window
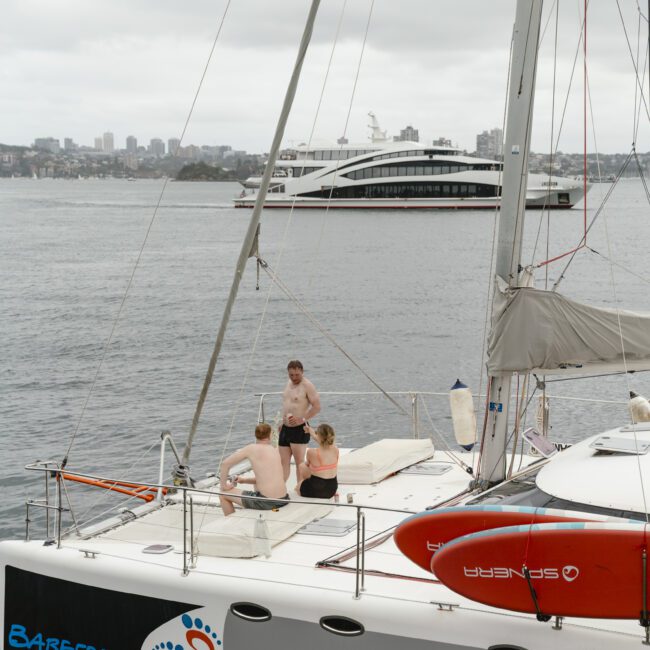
445	169
384	171
471	189
410	171
393	171
318	155
419	170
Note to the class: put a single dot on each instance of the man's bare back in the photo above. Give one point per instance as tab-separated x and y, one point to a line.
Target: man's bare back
268	478
267	467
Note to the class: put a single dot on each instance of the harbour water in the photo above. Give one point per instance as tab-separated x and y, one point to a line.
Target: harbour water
404	293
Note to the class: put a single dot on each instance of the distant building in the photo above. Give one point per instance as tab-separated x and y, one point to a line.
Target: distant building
409	134
99	144
108	143
442	142
131	161
70	145
342	140
157	147
173	145
47	144
131	144
490	144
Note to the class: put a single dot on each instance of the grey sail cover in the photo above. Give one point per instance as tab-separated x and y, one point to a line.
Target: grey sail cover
542	331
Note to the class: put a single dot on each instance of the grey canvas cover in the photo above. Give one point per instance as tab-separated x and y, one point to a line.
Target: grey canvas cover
545	332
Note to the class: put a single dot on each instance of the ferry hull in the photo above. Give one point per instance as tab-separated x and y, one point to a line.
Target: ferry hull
486	203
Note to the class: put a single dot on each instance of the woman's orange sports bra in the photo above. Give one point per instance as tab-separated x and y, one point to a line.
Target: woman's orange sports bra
324	468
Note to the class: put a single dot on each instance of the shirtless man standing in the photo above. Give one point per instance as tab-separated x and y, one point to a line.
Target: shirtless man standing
268	480
300	403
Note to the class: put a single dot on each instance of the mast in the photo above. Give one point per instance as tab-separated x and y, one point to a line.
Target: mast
253	226
519	122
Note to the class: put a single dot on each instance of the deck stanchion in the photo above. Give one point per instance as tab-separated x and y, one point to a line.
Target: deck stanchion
363	551
357	586
27	520
47	510
185	568
414	415
59	508
192	554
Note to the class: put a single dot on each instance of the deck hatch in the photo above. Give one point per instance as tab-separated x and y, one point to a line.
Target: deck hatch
427	469
328	527
620	445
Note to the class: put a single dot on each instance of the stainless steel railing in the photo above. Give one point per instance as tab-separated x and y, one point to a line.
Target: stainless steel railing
52	471
413	396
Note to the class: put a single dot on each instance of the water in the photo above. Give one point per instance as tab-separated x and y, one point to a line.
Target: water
404	293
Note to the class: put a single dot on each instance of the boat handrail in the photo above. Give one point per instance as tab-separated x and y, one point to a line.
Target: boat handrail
53	470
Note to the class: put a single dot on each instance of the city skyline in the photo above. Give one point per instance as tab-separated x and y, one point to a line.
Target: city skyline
442	69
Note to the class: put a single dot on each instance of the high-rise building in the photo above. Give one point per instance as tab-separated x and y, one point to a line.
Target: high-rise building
409	134
99	144
172	146
131	144
109	143
48	144
490	144
442	142
70	145
157	147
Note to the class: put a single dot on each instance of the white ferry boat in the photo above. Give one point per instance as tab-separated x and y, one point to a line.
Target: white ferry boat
389	174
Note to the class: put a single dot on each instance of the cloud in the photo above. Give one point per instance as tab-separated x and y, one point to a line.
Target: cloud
77	68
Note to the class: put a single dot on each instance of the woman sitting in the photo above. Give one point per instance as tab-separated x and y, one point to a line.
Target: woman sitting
318	473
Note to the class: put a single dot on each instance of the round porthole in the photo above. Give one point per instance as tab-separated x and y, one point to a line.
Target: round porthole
251	612
342	625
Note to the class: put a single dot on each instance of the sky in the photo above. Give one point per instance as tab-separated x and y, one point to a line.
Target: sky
78	68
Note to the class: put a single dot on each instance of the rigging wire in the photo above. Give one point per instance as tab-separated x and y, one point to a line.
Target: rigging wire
143	245
326	334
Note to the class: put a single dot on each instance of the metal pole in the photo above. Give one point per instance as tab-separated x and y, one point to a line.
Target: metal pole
161	472
363	551
47	510
192	556
253	226
511	218
27	520
59	503
357	586
185	569
414	415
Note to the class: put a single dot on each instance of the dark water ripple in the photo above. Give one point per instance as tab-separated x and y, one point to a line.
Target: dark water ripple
404	293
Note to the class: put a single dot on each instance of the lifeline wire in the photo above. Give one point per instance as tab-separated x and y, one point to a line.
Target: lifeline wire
142	247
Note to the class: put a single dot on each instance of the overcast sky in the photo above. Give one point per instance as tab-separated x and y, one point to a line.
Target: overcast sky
77	68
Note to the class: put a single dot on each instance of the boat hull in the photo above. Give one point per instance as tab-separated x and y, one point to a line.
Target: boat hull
479	203
61	597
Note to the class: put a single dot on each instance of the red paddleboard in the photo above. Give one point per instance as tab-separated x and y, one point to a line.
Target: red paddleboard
420	536
591	570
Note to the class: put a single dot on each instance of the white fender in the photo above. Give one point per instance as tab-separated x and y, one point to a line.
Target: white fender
639	408
462	414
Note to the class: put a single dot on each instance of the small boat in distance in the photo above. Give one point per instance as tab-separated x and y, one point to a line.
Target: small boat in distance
383	173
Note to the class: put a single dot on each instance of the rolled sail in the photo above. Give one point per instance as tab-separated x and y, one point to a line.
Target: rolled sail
544	332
